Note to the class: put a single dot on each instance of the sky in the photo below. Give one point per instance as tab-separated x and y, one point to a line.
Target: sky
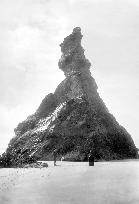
30	34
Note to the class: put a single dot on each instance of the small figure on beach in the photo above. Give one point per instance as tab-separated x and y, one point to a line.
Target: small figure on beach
62	158
55	155
91	158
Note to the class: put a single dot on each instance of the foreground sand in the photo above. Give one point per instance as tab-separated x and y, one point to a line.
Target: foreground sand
72	183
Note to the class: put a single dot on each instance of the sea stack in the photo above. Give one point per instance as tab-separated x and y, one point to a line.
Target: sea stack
73	119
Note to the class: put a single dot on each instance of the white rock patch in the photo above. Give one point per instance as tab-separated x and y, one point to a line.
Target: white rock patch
45	123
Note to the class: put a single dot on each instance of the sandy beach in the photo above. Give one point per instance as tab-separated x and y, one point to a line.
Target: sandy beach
72	183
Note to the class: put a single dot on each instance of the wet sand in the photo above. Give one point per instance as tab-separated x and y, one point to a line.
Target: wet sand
72	183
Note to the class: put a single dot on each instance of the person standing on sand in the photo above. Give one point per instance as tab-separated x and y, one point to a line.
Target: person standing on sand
55	155
91	158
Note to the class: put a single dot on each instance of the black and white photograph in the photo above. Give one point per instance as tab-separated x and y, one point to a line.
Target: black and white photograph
69	96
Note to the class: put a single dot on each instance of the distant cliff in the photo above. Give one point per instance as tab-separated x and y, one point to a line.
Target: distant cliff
73	119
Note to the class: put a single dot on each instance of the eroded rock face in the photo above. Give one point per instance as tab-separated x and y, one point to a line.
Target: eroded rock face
74	119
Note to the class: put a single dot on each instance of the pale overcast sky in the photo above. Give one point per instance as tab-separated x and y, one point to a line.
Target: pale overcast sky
30	34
